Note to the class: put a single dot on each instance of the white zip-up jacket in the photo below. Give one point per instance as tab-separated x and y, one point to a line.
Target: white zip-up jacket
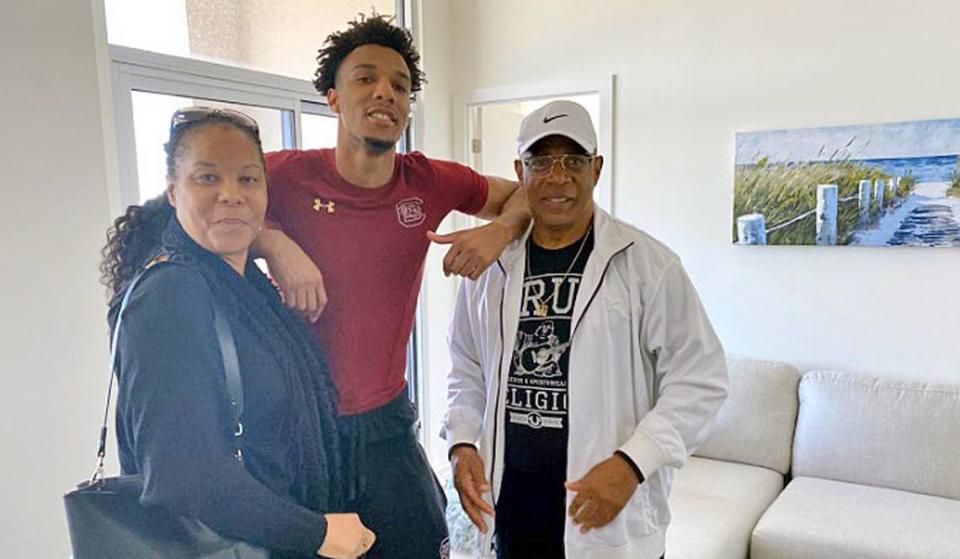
647	376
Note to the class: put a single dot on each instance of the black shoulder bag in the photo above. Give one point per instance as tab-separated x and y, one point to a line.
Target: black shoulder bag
104	514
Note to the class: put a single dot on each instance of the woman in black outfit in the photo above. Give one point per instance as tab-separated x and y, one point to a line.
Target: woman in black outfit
174	425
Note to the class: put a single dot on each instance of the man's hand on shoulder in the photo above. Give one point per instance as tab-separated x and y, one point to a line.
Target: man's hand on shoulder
472	251
300	281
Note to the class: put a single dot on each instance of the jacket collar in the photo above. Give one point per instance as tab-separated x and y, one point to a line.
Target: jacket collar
608	239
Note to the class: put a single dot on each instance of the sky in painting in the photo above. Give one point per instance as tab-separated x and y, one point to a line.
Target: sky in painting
869	141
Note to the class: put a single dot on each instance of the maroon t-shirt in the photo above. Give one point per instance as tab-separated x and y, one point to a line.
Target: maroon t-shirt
370	244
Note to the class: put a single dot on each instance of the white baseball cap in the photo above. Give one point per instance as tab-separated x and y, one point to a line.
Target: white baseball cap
562	118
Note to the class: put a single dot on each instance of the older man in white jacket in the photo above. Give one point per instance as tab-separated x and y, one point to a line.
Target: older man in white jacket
584	369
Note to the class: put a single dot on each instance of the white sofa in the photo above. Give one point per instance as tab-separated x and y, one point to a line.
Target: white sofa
875	467
720	495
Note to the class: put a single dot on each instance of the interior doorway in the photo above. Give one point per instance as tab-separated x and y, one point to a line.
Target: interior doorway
493	122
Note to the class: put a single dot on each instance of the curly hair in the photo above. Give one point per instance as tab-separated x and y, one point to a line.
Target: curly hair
132	240
135	236
374	30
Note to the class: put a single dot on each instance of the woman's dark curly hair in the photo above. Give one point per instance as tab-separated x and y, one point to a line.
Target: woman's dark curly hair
135	236
374	30
132	240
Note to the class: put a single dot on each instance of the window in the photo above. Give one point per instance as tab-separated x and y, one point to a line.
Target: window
276	36
256	56
319	131
151	115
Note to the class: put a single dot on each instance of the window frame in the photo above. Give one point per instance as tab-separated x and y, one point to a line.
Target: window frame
144	71
133	69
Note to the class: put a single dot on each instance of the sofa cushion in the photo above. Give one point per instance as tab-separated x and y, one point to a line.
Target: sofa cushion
817	518
882	432
715	506
755	425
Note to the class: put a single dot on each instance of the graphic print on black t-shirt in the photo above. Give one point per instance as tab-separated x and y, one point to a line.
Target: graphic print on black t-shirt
536	403
531	505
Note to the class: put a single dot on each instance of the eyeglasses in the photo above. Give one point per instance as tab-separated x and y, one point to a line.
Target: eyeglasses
193	115
571	163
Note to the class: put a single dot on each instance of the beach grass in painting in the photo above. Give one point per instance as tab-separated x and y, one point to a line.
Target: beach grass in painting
955	183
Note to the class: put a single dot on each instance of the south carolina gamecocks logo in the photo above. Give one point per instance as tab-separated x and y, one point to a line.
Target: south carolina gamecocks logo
410	212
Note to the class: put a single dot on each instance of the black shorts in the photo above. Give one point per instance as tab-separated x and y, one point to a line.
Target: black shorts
391	484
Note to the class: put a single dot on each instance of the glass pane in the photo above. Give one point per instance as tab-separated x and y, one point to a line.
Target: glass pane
277	36
151	122
318	131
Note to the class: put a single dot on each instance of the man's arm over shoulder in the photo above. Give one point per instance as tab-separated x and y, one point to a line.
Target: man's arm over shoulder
299	278
494	198
485	196
506	207
500	191
690	374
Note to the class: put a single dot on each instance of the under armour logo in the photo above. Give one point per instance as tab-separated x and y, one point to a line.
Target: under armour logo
547	119
320	205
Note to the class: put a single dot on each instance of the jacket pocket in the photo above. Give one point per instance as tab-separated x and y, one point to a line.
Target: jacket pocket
635	521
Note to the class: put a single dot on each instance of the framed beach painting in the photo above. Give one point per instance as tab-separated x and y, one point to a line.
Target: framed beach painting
894	184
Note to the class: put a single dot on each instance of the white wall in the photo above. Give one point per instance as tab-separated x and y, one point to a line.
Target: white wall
690	74
52	222
434	137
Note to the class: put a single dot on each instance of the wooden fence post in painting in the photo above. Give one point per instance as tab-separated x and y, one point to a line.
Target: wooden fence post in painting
827	205
865	187
751	229
879	193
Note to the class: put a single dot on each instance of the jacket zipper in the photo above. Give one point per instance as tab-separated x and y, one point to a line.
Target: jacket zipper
496	408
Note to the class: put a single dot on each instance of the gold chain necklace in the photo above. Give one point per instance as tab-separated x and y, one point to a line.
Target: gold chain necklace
542	309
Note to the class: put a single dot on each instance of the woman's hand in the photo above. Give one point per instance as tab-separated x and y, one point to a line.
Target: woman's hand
347	537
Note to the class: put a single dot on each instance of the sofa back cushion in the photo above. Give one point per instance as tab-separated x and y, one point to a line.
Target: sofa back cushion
755	425
882	432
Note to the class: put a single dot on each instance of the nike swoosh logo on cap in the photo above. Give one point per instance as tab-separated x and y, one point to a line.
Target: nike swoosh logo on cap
547	119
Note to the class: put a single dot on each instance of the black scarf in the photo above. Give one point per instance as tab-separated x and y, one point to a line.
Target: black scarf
254	301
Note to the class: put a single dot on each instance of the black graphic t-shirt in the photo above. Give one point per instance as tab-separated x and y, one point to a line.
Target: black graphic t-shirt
536	403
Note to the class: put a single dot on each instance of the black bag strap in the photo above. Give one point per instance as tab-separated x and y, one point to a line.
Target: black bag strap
228	352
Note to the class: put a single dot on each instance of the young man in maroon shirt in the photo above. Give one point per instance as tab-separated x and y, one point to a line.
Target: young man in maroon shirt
350	229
